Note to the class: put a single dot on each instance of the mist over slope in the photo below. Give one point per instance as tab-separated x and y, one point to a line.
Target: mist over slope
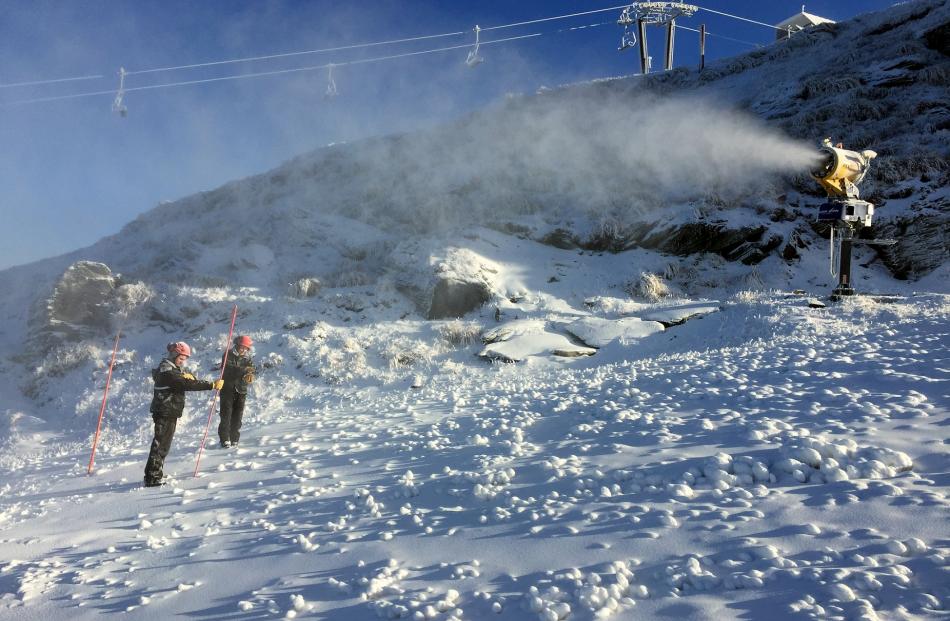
610	155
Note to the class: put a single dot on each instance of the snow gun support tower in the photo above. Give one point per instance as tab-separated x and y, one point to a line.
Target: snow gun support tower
839	173
658	13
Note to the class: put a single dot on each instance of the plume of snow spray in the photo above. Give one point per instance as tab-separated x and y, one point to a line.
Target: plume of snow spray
580	152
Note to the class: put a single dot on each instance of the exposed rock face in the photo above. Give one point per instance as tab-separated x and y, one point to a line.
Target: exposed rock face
83	298
443	282
797	241
453	298
923	244
84	303
747	244
305	287
939	39
561	238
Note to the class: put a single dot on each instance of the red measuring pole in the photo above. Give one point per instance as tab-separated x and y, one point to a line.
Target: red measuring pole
102	408
214	397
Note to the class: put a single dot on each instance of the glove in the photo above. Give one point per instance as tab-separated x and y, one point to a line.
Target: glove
248	378
218	384
188	376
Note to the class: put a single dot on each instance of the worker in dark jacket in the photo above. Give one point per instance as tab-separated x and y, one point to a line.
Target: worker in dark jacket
238	373
168	402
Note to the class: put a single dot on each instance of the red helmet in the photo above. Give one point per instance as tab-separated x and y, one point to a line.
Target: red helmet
243	341
179	348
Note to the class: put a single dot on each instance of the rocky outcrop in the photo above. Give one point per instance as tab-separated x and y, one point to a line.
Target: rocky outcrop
443	282
454	298
84	303
304	288
520	339
748	244
561	238
82	299
939	39
796	242
923	244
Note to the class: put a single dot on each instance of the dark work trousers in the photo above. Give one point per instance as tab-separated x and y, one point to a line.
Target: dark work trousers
164	430
232	412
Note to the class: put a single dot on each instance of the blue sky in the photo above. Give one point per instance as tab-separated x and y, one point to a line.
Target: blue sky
73	172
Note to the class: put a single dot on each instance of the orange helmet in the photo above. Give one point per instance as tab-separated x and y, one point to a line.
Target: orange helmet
179	348
243	341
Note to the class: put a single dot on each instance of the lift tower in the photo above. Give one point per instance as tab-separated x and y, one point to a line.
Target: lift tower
652	13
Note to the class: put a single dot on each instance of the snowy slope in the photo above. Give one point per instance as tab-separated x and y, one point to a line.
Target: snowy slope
681	435
767	458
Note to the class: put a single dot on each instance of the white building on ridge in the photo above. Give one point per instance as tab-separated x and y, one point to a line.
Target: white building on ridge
798	22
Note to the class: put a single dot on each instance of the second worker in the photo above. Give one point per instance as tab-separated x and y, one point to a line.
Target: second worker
238	373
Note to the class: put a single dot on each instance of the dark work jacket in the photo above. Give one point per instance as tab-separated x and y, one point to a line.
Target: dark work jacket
168	400
237	367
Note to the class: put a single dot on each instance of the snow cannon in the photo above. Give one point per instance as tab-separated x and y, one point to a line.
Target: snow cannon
839	172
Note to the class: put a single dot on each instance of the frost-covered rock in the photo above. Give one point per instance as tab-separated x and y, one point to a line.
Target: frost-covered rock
463	281
597	332
453	298
83	297
674	315
85	303
512	329
516	340
748	244
306	287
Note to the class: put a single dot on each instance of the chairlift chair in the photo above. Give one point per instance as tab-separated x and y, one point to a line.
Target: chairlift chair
473	57
331	83
118	106
627	40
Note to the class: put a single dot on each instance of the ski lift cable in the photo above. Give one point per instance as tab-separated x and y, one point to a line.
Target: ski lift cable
54	81
363	61
712	34
110	92
259	74
548	19
350	47
242	60
371	44
302	53
612	22
744	19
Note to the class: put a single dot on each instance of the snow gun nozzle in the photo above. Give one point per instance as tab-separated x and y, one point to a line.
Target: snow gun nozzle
839	171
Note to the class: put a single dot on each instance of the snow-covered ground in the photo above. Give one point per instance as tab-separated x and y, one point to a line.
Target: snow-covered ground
762	458
639	434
